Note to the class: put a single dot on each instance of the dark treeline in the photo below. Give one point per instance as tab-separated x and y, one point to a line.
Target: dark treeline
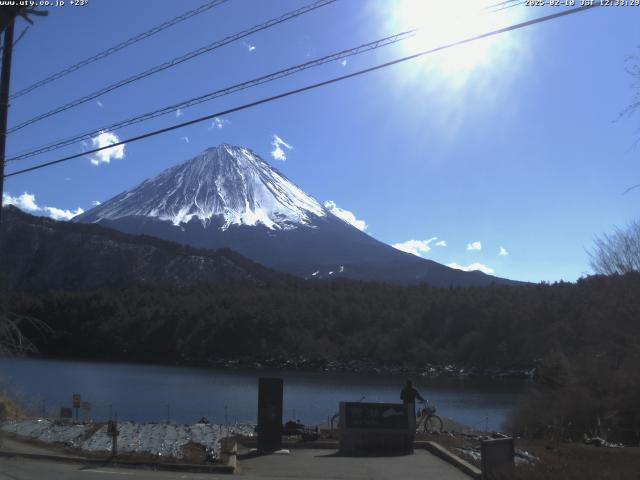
495	326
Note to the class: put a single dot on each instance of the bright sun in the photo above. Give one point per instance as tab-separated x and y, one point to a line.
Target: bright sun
440	22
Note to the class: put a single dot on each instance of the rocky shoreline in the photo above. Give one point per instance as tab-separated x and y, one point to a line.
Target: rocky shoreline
368	367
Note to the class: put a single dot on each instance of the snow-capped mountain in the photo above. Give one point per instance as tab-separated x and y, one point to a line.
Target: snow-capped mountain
228	196
226	182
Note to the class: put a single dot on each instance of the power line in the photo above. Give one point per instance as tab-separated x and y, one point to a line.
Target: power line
309	87
508	5
223	92
216	94
502	4
176	61
109	51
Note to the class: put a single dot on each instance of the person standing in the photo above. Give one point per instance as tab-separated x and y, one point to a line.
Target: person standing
408	396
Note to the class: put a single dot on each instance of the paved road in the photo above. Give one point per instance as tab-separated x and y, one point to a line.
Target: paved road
304	464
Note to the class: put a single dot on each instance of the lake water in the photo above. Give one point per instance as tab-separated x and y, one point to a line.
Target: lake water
184	394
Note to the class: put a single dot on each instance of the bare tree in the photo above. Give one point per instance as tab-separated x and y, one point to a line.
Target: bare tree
618	252
633	69
13	340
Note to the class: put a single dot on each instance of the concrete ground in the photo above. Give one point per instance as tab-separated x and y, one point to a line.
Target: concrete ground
8	444
23	469
308	464
327	464
302	463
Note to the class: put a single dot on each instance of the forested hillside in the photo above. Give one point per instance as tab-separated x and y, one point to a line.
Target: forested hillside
484	326
40	254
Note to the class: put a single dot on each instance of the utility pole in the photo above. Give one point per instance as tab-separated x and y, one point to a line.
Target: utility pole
5	77
7	19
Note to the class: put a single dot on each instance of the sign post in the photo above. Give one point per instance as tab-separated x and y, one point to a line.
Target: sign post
112	431
86	410
66	413
77	401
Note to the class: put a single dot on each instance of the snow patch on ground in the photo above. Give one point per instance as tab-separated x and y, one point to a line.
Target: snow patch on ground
160	439
47	431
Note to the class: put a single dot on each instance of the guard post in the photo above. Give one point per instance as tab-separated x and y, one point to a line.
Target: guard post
270	414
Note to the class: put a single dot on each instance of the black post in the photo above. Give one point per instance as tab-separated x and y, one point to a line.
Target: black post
5	77
112	431
270	414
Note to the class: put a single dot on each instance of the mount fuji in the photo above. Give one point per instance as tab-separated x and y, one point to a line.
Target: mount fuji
228	197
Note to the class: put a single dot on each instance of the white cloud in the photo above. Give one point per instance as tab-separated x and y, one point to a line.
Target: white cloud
179	113
104	139
99	103
278	153
503	252
474	246
186	139
26	201
415	247
59	214
95	203
345	215
218	122
441	243
471	267
343	62
249	47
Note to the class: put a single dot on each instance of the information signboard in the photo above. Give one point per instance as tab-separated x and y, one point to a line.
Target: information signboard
376	415
370	428
76	400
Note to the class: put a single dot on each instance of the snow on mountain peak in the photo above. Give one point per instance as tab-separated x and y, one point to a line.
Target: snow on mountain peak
228	182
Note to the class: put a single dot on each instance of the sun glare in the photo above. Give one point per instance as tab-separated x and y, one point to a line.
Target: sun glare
441	22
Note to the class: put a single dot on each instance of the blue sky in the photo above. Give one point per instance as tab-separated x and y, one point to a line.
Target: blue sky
512	143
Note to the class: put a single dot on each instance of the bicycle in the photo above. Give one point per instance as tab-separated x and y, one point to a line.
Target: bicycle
427	420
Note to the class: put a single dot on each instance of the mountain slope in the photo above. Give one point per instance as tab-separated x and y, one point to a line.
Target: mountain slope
225	183
42	254
228	197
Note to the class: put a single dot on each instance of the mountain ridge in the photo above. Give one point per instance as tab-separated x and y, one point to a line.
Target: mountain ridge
41	254
229	197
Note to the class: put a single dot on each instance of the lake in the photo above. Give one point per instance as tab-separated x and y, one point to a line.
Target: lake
185	394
